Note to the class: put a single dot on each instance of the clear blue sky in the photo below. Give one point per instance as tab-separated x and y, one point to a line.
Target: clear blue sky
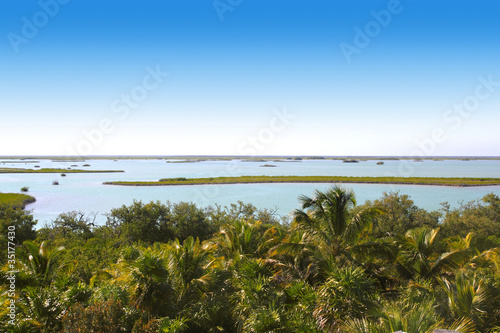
67	71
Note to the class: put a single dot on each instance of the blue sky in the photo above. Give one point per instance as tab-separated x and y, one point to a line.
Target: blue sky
68	66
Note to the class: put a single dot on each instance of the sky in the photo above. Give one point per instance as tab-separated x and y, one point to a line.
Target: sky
241	77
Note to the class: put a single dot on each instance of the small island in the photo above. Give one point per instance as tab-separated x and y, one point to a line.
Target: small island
187	161
459	182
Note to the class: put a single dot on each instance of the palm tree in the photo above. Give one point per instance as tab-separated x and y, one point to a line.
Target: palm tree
258	300
419	254
297	256
329	227
417	309
42	308
467	297
409	317
246	238
145	274
42	264
326	216
347	293
43	272
188	266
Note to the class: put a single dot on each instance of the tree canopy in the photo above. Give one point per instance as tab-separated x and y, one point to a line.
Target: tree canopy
335	266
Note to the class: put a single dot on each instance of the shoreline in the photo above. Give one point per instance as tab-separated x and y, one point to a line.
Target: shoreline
16	200
431	181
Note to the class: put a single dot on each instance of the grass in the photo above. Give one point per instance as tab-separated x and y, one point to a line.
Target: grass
16	199
315	179
50	170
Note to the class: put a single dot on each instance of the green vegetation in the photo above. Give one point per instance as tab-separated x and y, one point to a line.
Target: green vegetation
315	179
13	216
52	170
16	199
379	267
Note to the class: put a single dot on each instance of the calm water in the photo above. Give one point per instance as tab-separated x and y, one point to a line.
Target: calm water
86	193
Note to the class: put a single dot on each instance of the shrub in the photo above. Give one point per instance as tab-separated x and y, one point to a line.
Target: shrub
102	317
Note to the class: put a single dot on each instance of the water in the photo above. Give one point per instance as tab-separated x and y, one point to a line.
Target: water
86	192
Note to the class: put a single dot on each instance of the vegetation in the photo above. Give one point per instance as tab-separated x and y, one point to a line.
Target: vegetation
16	199
315	179
53	170
188	161
383	266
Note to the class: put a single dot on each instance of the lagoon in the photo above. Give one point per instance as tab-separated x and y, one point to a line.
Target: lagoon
86	192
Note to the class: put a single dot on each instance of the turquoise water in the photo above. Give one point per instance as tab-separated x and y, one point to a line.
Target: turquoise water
86	193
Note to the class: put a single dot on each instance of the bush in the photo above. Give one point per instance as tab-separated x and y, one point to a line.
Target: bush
23	222
102	317
157	222
401	215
